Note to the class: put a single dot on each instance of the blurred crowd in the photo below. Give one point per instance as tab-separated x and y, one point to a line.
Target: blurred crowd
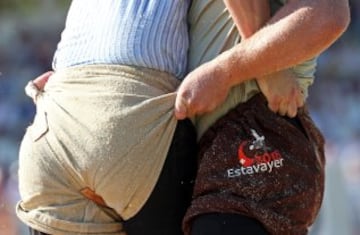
27	43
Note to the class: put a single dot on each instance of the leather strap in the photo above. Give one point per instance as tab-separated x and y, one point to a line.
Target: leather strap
98	200
91	195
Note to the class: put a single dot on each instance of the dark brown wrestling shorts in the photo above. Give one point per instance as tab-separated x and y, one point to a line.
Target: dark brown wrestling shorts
256	163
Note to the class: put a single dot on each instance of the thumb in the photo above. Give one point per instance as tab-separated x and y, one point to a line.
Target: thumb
180	108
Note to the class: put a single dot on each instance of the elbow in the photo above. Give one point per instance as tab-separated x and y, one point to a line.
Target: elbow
326	21
340	22
336	20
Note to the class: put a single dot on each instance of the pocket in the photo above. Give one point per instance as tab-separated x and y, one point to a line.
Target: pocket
39	126
295	122
314	134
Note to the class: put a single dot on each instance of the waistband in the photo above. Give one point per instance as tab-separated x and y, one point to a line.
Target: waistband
160	79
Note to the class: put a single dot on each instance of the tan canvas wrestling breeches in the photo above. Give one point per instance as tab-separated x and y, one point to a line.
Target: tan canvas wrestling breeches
95	124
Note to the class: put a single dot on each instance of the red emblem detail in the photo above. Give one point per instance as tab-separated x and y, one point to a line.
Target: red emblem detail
257	158
243	159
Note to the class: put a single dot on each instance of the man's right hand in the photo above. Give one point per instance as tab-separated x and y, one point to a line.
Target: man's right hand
201	91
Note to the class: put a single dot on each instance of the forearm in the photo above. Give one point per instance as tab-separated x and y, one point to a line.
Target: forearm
306	27
298	31
248	15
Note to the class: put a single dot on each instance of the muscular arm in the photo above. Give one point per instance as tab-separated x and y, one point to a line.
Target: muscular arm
248	15
306	27
299	31
281	89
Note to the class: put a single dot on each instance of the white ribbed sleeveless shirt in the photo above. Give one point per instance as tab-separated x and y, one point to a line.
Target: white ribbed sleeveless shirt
147	33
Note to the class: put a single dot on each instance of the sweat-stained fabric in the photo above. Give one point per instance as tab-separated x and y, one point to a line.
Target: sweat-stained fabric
95	124
212	31
256	163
